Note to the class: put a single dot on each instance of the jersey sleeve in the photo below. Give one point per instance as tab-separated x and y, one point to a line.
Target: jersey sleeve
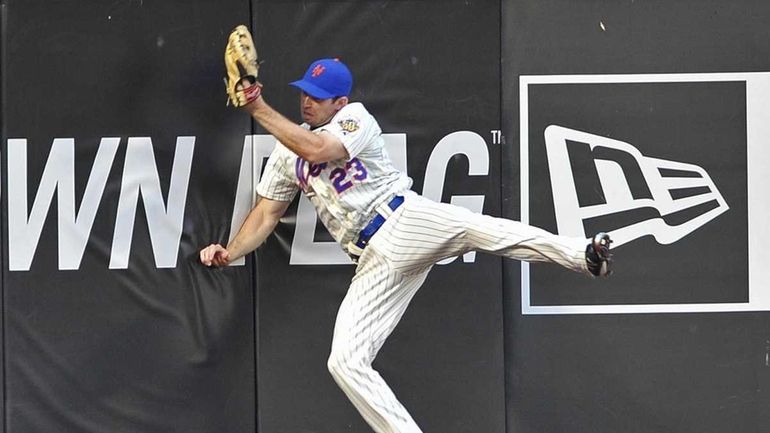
276	182
354	127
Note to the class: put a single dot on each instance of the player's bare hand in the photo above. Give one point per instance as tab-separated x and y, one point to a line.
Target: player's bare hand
215	255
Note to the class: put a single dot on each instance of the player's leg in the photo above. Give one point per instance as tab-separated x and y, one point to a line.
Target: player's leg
373	306
432	231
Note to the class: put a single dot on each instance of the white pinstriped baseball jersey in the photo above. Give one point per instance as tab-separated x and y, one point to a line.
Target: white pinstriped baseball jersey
398	257
344	192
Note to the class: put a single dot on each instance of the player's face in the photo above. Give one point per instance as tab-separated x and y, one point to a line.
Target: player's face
317	112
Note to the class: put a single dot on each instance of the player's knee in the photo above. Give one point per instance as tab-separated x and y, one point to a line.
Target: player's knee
341	364
336	366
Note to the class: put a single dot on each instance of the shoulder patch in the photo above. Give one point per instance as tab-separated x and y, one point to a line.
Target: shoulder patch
349	125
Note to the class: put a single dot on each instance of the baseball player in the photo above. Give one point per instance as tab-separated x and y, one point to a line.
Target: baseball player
395	236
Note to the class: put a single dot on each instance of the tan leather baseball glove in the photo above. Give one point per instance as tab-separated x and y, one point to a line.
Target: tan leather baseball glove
242	68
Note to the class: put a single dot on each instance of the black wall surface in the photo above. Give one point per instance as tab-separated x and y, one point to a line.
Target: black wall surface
142	348
138	337
638	372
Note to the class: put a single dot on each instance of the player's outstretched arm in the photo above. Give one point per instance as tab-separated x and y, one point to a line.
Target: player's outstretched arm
244	90
311	147
257	227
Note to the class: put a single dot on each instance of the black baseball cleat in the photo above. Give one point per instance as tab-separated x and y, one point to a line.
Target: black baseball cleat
598	255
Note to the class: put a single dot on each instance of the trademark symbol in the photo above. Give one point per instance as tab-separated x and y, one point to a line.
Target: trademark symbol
497	136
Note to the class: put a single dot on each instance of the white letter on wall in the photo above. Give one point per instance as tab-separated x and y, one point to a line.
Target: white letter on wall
475	149
74	229
164	222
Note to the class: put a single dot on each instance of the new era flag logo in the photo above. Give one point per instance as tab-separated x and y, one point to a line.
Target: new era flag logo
673	166
665	192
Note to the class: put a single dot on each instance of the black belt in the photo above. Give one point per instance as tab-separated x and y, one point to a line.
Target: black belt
376	223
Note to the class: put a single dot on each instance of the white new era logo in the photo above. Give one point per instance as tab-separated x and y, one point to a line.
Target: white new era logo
607	184
669	199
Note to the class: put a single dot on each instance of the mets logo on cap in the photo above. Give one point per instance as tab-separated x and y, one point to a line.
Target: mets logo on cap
317	70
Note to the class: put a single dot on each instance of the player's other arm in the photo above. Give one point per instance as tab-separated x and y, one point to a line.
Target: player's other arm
311	147
257	227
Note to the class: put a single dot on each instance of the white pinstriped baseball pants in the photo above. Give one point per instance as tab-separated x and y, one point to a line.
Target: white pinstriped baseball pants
391	269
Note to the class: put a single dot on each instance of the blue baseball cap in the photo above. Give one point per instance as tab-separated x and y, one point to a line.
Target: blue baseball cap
326	78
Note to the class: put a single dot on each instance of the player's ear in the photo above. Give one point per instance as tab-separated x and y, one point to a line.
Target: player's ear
341	102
